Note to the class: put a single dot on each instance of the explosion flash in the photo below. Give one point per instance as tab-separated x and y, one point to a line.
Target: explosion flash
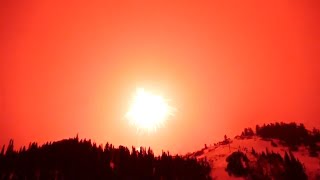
148	111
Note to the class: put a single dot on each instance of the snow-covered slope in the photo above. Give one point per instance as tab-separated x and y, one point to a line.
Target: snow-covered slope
216	154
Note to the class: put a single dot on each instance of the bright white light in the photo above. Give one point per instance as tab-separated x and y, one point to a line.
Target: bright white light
148	111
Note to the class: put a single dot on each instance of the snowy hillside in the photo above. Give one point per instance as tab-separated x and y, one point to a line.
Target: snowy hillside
217	153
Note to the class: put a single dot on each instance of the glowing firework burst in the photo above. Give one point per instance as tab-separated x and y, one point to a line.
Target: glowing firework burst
148	111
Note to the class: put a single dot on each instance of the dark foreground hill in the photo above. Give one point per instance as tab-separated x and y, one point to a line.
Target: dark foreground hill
273	151
82	159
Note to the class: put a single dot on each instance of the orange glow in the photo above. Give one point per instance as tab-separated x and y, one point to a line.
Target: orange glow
69	67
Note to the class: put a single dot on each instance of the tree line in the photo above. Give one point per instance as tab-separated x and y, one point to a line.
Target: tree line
81	159
290	134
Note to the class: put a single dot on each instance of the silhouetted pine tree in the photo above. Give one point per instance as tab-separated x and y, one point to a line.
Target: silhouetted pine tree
237	164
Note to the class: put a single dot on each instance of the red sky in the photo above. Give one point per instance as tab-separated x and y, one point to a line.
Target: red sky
71	67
